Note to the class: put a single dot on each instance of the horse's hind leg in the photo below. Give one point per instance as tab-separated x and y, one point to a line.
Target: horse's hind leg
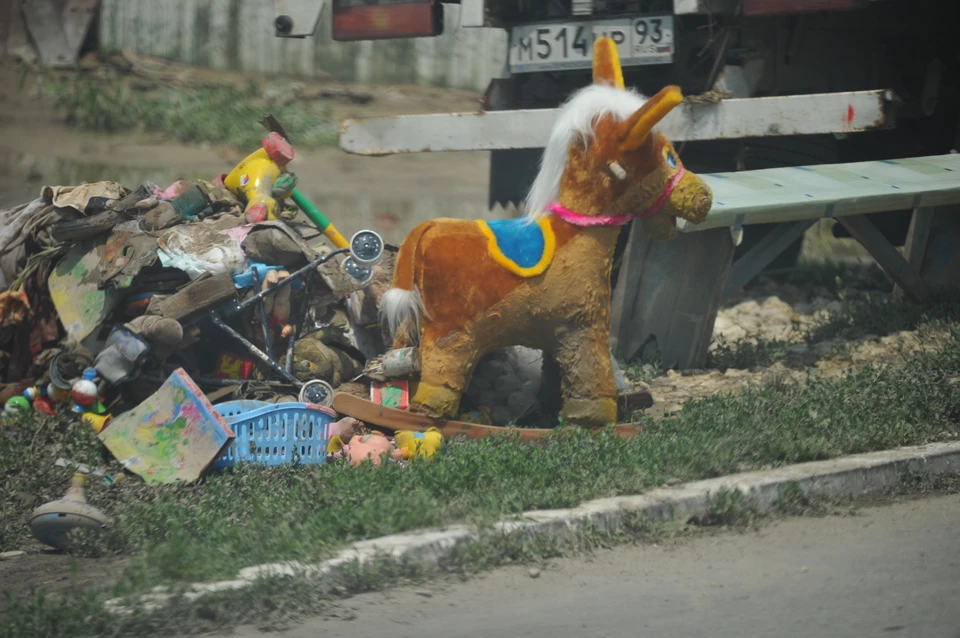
446	363
589	388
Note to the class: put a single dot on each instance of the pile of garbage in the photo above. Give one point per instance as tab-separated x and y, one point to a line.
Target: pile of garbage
206	300
203	324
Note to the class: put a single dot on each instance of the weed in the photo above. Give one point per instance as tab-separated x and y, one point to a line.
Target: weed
645	371
727	508
254	514
219	114
838	277
884	314
793	501
746	354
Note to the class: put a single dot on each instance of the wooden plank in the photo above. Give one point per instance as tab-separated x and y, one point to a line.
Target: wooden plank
777	195
667	295
42	18
863	230
530	128
393	419
918	235
763	254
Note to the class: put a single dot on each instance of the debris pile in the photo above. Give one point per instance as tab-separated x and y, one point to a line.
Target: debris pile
201	324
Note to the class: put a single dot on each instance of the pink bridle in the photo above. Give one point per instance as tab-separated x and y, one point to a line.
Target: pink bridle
578	219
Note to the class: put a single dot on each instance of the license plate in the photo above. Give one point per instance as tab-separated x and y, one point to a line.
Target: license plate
564	46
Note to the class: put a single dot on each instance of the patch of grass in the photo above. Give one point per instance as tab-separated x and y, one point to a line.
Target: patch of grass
917	484
728	508
645	371
837	276
269	604
745	354
793	501
877	314
217	114
253	514
884	314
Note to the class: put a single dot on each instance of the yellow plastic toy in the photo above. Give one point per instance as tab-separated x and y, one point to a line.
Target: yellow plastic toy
423	444
254	177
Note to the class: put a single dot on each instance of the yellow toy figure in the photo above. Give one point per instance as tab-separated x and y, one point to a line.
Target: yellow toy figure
423	444
255	177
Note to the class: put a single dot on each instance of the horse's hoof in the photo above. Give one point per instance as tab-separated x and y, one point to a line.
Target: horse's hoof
435	400
590	413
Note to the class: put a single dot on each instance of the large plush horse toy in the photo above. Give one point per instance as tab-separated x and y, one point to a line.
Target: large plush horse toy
465	288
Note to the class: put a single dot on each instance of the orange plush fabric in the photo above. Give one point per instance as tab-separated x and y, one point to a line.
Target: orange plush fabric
603	159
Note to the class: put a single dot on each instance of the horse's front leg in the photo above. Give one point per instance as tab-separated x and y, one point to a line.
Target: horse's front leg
446	363
589	388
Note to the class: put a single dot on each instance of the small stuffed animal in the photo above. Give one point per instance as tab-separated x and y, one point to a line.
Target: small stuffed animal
423	444
341	431
373	446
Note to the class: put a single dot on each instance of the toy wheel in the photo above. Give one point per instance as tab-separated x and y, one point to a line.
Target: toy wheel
366	247
318	392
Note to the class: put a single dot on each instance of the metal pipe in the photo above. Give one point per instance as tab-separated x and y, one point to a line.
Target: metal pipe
316	263
263	314
228	382
254	350
301	317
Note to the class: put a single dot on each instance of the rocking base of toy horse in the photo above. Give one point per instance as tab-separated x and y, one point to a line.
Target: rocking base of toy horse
393	419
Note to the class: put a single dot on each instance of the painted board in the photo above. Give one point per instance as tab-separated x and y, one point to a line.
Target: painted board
392	394
74	288
174	436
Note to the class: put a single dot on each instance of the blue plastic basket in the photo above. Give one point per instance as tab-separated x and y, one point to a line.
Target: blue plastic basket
234	408
273	433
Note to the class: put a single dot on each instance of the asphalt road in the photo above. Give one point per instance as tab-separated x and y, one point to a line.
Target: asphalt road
892	570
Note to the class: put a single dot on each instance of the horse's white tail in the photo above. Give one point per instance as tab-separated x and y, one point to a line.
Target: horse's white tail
400	307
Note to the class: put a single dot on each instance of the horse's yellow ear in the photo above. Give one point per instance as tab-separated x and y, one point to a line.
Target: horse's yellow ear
606	63
635	130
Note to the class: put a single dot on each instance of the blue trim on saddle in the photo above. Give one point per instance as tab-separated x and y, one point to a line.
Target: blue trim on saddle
520	241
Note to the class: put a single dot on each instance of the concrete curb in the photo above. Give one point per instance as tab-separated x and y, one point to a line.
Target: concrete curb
848	475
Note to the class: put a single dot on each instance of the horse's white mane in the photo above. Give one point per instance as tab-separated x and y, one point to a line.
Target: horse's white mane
576	119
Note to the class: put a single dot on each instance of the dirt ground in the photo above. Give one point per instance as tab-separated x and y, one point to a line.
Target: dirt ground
54	572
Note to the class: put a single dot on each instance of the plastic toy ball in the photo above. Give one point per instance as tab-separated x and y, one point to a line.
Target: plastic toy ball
16	405
85	390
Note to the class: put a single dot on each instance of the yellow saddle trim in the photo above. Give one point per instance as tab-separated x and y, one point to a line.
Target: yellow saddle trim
549	245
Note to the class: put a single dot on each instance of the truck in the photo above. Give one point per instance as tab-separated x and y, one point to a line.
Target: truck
880	79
